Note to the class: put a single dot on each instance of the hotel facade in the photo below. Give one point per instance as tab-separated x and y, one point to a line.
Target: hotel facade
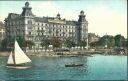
36	29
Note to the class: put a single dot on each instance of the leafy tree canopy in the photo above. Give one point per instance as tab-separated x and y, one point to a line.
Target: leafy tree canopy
56	42
119	41
69	43
81	43
45	43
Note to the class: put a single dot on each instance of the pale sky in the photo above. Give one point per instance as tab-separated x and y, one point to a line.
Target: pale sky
103	16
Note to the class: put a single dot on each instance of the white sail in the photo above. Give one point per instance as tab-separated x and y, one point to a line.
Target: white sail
10	59
20	56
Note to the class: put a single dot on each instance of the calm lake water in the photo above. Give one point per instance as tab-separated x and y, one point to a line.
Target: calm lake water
98	67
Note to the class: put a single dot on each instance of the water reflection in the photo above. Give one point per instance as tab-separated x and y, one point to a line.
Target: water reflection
13	74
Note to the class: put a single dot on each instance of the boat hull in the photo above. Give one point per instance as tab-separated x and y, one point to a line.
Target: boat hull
18	67
73	65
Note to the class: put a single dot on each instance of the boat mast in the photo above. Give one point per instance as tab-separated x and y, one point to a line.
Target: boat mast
106	42
13	54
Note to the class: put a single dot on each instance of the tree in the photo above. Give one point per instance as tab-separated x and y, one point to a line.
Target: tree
24	43
81	43
21	41
94	44
107	40
127	43
56	42
119	41
111	42
4	44
45	43
29	43
69	43
103	40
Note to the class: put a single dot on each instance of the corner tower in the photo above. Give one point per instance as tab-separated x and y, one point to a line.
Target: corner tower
28	19
82	30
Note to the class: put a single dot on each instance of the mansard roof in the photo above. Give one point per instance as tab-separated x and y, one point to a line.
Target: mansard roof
71	22
46	20
41	19
13	15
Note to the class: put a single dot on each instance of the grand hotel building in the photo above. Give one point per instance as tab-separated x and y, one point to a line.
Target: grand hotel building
36	29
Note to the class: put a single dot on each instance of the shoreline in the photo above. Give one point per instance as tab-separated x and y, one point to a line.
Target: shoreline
64	54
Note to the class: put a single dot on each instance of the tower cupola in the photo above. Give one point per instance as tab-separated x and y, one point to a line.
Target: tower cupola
27	10
27	4
81	17
82	12
58	16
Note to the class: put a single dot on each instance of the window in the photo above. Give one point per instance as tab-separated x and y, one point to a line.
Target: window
44	24
29	33
29	22
54	25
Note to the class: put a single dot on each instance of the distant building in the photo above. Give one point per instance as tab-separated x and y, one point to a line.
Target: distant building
33	28
2	31
92	37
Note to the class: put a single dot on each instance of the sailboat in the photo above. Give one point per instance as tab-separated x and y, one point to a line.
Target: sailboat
17	59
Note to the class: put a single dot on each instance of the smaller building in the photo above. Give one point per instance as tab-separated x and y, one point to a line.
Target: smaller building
92	37
2	31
